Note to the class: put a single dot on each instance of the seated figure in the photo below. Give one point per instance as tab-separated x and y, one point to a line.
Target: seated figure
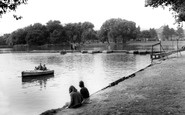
44	67
40	67
84	92
75	98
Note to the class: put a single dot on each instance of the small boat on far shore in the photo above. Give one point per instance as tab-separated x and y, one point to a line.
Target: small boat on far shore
29	73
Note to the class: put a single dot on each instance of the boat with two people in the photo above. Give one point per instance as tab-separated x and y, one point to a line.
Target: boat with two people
38	71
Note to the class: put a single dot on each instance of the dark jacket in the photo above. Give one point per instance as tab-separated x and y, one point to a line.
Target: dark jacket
84	92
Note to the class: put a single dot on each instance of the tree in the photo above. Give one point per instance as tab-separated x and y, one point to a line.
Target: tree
89	35
78	32
53	25
87	25
180	32
172	33
57	37
18	36
9	40
150	35
166	32
178	6
138	32
56	32
10	5
74	31
145	34
153	34
123	29
118	29
35	37
37	34
3	39
105	29
87	32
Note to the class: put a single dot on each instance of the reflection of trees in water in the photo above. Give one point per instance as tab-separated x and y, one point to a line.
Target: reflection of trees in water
119	61
36	80
57	59
48	59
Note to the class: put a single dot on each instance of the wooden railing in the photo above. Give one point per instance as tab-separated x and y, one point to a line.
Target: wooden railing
160	54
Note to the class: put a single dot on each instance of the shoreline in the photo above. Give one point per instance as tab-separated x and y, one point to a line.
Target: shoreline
116	82
63	52
148	91
112	84
54	111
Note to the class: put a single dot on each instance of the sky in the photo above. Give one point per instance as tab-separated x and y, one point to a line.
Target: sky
94	11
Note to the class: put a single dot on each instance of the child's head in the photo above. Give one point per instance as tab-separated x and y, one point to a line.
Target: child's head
81	84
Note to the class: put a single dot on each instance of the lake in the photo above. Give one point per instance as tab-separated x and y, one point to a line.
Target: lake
32	96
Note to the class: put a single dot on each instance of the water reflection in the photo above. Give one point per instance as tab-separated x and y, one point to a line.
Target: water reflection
36	80
33	95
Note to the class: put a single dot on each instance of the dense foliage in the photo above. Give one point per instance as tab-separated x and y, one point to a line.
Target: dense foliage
53	33
180	33
3	39
170	33
147	35
178	6
112	30
117	30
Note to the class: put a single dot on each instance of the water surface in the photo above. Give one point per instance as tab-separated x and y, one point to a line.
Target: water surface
32	96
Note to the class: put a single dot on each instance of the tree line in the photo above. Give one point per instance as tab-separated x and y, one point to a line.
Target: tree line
112	30
115	30
171	34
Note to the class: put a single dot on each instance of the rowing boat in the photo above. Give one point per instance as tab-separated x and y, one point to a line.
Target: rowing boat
37	72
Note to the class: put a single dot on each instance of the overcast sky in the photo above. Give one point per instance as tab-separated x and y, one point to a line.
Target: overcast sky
94	11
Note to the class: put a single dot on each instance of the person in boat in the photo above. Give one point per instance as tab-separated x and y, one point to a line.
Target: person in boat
44	67
40	67
75	98
84	92
36	68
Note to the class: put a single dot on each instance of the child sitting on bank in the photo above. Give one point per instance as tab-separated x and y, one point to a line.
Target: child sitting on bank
84	92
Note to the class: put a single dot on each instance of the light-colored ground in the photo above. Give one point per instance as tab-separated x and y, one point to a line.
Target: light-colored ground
157	90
